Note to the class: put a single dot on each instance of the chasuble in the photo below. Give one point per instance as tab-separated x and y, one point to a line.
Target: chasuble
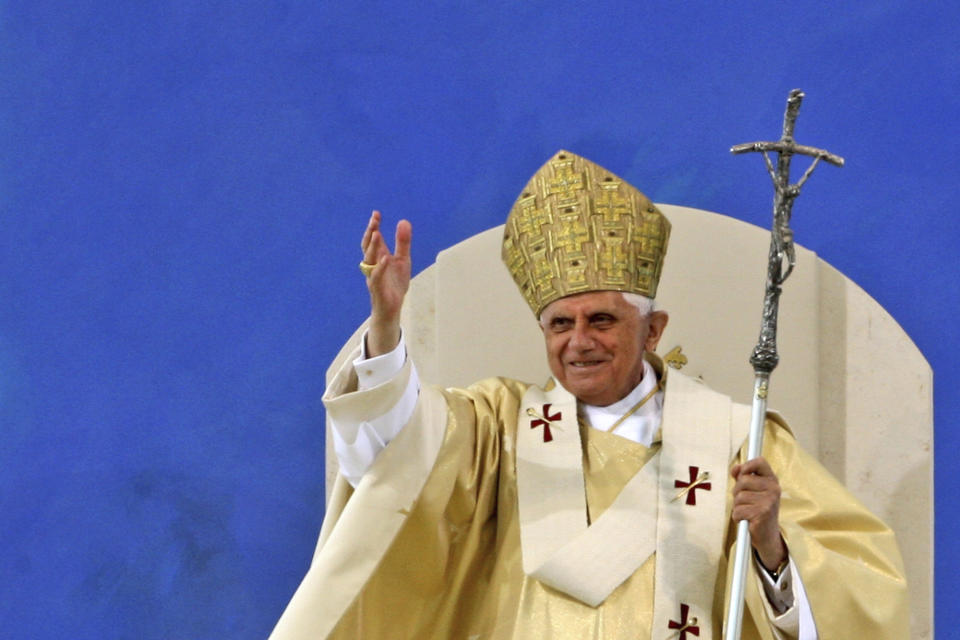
495	515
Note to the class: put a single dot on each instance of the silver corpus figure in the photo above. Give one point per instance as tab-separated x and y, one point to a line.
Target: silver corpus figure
765	358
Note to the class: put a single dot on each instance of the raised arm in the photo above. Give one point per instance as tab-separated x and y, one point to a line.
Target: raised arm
387	282
362	431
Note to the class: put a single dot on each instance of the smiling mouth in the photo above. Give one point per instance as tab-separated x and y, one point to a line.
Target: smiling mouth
582	364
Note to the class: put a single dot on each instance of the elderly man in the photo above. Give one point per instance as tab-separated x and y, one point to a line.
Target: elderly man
601	505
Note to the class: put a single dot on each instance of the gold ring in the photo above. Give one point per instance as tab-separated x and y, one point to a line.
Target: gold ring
367	268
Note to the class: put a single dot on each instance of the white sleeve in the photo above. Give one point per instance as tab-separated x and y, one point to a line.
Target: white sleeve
788	608
357	444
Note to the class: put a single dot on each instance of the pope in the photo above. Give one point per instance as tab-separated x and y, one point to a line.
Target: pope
600	505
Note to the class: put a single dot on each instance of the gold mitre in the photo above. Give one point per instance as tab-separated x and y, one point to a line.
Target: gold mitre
576	227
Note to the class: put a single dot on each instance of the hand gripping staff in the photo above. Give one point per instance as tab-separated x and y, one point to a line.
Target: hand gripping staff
764	358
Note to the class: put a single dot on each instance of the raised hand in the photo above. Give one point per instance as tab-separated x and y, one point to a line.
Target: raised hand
387	282
756	498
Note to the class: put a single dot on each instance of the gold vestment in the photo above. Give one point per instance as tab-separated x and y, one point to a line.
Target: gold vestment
429	544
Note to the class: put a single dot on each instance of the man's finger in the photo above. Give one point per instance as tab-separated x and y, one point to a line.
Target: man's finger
403	239
749	496
758	466
755	481
372	225
744	512
372	251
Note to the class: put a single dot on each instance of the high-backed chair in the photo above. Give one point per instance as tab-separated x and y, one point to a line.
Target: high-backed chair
856	391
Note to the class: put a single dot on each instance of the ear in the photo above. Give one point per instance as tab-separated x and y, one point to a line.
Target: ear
655	326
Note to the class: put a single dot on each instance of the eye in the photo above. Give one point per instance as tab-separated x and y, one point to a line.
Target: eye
560	324
602	320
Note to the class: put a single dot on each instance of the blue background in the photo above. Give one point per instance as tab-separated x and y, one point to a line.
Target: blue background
183	187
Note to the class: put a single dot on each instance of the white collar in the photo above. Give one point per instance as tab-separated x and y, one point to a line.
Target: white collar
639	427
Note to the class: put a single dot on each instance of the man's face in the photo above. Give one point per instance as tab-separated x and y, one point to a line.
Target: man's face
595	343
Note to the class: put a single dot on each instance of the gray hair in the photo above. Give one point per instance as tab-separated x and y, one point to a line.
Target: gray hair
643	304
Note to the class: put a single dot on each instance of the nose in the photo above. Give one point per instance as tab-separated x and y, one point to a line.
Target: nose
581	338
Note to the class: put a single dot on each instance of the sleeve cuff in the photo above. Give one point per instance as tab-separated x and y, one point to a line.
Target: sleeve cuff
779	601
779	590
372	372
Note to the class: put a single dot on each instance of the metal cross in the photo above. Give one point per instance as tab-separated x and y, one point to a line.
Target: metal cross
764	357
782	256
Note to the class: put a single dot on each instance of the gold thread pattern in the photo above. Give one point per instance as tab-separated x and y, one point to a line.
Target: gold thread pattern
576	227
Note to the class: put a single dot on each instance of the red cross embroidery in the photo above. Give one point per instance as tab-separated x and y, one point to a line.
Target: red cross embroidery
695	483
685	626
544	421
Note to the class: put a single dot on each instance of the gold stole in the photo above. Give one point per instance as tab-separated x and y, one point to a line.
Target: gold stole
656	511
